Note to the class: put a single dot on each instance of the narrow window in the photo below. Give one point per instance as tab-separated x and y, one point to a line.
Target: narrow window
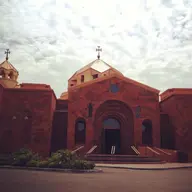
80	131
82	78
90	110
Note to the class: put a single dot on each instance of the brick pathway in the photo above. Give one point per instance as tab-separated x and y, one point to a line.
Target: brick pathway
112	180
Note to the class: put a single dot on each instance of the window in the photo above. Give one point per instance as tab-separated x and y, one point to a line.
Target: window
114	88
80	131
95	76
90	110
82	78
147	138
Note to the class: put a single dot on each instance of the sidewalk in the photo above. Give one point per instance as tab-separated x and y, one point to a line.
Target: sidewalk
164	166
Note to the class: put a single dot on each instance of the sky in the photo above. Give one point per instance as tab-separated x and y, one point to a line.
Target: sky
149	41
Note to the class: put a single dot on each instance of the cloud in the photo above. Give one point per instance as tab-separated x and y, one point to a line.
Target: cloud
149	41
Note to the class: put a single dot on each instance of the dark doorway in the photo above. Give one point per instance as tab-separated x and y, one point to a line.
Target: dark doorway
112	138
147	138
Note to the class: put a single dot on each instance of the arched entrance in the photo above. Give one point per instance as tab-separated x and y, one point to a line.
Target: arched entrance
114	125
111	135
147	138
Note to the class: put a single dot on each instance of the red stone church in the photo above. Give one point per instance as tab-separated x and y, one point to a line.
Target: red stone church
102	108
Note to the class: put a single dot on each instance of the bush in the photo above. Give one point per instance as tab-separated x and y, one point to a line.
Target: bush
36	157
55	165
64	156
21	157
43	164
32	163
82	164
60	159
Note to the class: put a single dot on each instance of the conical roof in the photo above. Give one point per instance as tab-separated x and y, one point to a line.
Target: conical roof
7	65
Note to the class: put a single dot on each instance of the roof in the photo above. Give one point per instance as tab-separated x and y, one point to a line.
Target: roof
64	96
119	77
175	91
7	65
98	65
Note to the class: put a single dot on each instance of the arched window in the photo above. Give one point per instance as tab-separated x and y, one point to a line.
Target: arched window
147	138
80	131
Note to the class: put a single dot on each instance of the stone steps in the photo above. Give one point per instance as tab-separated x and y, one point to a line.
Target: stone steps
102	158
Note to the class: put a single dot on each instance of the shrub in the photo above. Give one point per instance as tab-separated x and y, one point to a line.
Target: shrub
43	164
32	163
21	157
36	157
82	164
60	159
55	165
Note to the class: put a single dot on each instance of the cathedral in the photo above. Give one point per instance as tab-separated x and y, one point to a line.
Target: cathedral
101	110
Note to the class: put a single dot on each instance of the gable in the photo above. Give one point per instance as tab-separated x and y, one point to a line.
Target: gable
119	77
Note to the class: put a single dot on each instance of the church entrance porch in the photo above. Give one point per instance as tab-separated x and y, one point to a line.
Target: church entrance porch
114	126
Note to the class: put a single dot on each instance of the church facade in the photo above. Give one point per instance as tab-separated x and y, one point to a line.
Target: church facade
101	108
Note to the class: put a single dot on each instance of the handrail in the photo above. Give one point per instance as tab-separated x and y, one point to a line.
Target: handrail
153	150
135	149
163	151
113	150
78	149
91	150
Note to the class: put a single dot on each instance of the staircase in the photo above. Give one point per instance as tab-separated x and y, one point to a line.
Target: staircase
134	157
121	159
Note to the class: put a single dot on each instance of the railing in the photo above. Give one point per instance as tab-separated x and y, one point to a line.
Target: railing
113	148
161	150
78	149
152	150
135	150
112	152
91	150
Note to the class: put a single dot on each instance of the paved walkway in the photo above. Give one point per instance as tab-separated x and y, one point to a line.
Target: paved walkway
163	166
111	180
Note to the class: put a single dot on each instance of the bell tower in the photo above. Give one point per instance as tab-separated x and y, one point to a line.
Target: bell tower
8	73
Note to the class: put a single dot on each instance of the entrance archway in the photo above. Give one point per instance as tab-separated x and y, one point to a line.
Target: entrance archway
113	118
111	135
147	138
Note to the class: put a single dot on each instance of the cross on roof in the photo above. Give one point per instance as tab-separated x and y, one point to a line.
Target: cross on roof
7	52
98	49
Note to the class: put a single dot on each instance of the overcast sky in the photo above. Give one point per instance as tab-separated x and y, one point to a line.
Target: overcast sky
148	40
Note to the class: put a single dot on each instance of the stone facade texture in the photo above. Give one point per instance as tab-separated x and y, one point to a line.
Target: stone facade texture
32	117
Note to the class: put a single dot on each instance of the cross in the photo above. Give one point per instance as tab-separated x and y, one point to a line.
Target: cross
7	52
98	49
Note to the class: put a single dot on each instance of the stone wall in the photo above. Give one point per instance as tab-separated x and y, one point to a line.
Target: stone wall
179	109
27	120
98	92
